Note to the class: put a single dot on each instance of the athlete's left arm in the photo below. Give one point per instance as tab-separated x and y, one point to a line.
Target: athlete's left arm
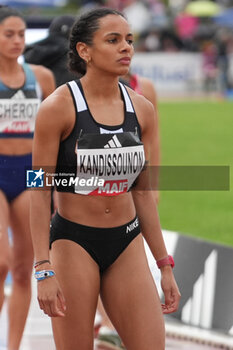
148	215
149	92
45	78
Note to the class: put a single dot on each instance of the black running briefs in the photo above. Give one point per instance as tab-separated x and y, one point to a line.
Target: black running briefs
103	244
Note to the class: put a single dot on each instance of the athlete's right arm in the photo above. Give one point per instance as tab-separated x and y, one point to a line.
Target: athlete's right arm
51	124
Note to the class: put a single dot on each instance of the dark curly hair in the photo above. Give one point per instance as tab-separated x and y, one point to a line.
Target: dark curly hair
6	11
83	31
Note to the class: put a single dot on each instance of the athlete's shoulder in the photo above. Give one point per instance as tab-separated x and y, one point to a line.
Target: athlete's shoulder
146	81
56	111
148	90
139	101
45	78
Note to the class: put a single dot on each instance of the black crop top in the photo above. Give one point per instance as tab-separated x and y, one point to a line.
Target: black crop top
97	159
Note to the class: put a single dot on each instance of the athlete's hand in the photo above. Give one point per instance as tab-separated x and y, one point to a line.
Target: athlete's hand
51	298
170	290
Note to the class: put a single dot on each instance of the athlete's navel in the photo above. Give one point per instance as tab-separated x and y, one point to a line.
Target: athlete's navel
107	210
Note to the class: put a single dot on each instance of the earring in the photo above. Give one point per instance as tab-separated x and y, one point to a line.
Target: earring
88	60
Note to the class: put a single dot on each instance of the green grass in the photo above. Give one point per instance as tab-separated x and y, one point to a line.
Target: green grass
198	133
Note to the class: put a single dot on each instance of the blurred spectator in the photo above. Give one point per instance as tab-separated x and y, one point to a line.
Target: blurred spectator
87	5
155	40
222	39
138	15
157	7
51	52
186	27
159	17
170	42
152	41
210	66
115	4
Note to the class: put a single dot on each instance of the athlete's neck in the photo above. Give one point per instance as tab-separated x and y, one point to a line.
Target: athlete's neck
101	87
12	74
8	66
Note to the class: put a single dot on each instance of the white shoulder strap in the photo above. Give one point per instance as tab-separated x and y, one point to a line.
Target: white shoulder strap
79	99
128	103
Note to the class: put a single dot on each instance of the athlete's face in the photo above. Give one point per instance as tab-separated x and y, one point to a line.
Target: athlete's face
112	47
12	37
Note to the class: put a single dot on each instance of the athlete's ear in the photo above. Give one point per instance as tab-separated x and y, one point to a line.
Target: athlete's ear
83	51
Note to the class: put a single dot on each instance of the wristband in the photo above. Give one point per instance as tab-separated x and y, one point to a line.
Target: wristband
41	275
38	263
168	260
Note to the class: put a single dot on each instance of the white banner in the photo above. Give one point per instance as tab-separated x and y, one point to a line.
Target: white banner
172	73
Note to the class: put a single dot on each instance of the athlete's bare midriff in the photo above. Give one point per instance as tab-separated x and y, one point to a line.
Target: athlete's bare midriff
15	146
97	211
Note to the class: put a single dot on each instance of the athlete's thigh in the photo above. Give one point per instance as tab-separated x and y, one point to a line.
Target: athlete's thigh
131	300
4	224
20	224
78	276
